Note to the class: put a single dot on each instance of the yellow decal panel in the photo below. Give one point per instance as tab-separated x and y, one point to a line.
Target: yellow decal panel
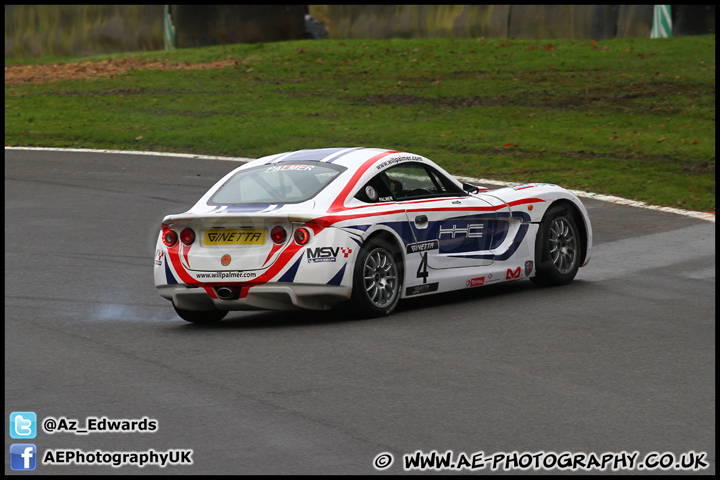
235	237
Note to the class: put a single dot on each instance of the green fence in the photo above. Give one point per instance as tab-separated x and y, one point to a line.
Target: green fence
77	30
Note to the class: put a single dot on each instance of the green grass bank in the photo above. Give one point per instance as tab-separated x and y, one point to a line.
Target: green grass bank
627	117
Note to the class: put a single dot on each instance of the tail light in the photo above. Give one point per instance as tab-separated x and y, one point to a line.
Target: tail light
278	234
302	236
187	236
169	238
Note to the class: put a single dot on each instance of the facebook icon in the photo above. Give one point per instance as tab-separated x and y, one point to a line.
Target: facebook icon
23	456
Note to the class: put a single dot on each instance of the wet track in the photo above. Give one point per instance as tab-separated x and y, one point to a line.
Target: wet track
622	359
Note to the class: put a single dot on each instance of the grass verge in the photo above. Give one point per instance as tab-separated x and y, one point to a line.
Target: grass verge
627	117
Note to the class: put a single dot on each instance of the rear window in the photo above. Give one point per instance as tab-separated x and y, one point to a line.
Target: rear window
277	183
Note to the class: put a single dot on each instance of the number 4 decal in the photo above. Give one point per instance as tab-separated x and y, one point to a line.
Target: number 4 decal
422	271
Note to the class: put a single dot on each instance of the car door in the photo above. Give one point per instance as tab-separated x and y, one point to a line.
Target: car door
451	228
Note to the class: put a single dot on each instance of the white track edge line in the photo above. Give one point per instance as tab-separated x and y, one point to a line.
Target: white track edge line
134	152
710	217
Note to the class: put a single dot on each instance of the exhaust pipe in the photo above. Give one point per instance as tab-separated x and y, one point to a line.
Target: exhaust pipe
228	293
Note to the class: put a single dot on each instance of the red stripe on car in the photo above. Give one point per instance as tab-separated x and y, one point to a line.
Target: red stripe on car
339	203
524	201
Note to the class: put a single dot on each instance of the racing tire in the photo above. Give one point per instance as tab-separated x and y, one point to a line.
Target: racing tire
376	280
557	248
200	316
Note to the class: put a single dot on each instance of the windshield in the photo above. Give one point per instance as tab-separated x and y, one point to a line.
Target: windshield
277	183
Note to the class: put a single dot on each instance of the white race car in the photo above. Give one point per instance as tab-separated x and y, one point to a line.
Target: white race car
313	228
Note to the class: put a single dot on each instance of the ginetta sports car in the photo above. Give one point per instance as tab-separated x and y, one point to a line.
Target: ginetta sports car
313	228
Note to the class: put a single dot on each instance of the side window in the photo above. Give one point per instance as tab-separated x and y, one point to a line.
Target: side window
375	191
445	185
417	181
407	181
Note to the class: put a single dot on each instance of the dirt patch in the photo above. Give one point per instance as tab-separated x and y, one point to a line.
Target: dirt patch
90	70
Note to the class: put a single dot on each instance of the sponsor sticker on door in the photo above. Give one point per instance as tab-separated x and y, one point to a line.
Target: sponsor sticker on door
511	274
475	282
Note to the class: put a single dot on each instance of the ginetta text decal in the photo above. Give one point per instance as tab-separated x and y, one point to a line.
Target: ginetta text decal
422	246
425	288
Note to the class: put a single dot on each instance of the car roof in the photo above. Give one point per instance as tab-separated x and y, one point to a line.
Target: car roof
361	164
345	156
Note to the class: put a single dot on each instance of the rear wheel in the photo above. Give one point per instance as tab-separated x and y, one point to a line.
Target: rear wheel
376	280
200	316
557	248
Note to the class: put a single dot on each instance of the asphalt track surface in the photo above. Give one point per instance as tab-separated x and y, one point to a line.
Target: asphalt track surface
622	359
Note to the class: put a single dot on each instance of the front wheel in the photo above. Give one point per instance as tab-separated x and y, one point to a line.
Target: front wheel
376	280
200	316
557	249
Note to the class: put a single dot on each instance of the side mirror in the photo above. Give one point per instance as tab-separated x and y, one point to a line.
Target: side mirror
470	188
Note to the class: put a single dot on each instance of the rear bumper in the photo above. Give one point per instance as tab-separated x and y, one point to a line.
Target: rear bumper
259	297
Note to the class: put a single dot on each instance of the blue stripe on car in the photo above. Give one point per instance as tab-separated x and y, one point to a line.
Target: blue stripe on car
516	243
330	160
289	276
246	208
316	154
168	275
508	253
337	279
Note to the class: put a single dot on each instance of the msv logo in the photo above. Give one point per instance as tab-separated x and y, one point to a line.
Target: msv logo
327	254
513	274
